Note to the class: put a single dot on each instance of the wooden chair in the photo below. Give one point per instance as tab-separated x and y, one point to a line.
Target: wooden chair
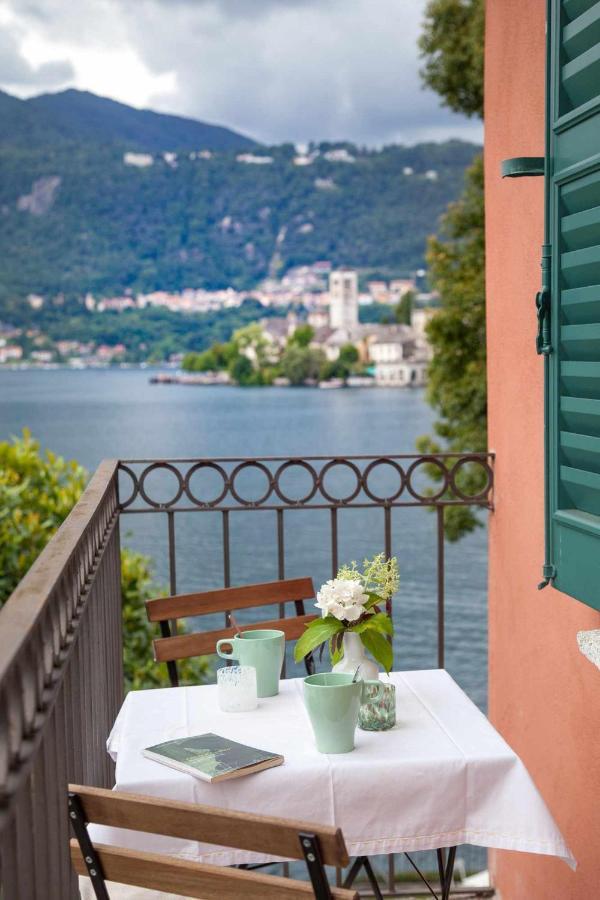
318	846
171	647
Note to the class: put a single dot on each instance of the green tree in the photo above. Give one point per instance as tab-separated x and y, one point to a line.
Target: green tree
241	370
37	492
252	338
343	366
201	362
452	46
348	355
224	353
301	363
403	311
302	336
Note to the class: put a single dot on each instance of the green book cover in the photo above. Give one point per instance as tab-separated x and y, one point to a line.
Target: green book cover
212	757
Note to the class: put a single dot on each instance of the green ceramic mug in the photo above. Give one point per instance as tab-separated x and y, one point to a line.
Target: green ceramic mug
264	649
333	701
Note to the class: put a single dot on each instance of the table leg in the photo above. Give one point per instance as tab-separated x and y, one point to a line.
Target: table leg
446	868
364	863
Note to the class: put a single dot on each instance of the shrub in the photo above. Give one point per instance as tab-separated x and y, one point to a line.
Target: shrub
37	492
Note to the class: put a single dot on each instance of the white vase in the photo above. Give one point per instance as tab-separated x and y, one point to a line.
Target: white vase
355	658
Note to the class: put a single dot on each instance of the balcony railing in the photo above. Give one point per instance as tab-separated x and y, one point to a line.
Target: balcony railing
61	652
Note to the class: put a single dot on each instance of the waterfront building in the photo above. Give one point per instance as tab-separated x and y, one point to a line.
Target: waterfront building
379	291
343	299
10	353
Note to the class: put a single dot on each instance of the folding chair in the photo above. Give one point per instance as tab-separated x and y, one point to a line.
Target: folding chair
317	845
171	647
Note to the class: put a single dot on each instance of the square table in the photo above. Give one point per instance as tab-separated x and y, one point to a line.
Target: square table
443	776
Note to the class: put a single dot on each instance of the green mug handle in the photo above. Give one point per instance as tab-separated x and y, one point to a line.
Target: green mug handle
222	653
366	696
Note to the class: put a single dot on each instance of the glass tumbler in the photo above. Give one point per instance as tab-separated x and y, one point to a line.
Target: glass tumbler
236	688
380	714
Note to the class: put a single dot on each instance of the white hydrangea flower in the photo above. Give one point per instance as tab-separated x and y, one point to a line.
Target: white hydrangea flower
343	598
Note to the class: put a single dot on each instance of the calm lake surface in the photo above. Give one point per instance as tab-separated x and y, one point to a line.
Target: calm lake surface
90	415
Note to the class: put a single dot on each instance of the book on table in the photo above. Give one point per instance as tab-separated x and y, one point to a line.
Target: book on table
212	757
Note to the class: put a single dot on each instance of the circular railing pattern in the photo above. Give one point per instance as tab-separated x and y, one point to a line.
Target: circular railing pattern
428	480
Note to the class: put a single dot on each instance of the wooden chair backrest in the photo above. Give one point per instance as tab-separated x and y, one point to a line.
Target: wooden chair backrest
206	824
182	646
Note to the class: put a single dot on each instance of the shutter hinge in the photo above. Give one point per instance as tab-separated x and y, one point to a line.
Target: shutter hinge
543	342
548	575
542	303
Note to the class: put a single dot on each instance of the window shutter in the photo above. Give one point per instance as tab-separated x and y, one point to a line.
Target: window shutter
573	349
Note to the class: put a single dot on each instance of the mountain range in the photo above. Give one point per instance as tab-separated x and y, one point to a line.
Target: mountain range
81	117
98	196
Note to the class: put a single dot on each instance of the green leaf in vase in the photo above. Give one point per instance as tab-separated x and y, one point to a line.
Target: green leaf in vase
316	633
379	647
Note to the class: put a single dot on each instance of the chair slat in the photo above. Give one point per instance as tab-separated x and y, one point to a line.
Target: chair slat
190	879
208	824
184	605
182	646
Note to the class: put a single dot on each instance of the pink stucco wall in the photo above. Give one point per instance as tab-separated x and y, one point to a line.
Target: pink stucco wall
544	695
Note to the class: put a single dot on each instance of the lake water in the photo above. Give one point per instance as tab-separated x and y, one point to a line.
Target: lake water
90	415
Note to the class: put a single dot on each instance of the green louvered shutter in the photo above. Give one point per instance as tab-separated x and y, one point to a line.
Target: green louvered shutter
573	236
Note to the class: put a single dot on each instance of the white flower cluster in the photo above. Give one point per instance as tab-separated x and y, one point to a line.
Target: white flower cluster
343	598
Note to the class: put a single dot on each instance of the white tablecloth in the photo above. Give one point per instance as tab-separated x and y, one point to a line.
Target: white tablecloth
442	776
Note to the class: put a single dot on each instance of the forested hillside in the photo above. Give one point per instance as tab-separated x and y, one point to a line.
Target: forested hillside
76	216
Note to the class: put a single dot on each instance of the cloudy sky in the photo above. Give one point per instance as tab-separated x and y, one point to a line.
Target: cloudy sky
274	69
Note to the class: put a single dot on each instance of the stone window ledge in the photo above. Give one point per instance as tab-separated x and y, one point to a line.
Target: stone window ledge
589	644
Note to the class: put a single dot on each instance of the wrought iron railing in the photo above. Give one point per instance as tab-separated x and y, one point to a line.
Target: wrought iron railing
385	483
60	632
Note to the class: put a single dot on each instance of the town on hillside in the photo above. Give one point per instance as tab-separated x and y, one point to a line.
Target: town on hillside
316	327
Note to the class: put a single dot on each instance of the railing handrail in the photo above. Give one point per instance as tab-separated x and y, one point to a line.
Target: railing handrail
476	454
26	604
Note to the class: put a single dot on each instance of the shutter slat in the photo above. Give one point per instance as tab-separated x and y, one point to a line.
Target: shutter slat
575	8
580	77
582	489
581	194
581	442
580	405
579	268
581	306
580	477
581	370
581	229
577	333
583	32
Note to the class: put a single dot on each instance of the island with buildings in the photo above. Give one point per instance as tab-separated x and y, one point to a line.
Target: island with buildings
323	343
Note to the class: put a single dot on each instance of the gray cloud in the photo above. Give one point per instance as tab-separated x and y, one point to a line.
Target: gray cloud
248	9
16	72
275	69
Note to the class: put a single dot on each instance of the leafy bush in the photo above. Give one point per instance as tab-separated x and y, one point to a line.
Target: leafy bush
242	371
37	492
301	363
